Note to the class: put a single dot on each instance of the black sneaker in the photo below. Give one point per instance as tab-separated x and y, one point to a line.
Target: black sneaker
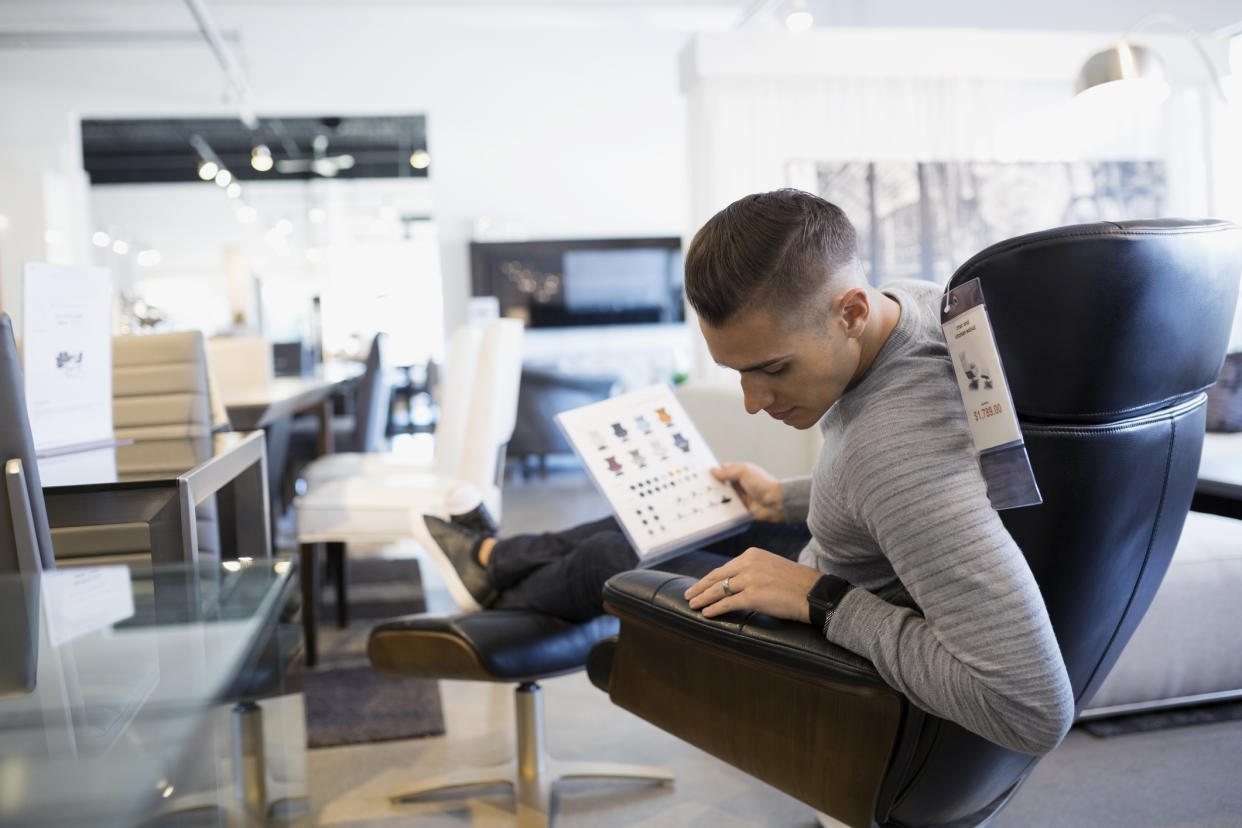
467	580
477	520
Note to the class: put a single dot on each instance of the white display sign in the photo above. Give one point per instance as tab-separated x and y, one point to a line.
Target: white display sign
67	355
80	600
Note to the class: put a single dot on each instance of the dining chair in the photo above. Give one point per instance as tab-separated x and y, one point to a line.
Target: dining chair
389	506
454	401
162	418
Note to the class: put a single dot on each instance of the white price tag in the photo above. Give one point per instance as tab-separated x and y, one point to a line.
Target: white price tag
985	393
989	407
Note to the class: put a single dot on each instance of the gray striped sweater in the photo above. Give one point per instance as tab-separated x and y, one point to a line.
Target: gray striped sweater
949	613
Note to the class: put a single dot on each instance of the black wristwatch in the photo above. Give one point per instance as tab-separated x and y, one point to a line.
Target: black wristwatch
824	598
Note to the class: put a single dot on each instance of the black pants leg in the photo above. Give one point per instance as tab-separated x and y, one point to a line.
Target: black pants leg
563	573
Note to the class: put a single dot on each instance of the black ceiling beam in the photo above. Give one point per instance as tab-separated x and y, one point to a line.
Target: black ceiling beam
137	151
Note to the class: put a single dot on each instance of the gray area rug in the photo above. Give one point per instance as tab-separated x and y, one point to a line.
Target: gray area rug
346	701
1161	719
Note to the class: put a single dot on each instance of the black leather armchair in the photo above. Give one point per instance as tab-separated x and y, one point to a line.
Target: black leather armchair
1109	334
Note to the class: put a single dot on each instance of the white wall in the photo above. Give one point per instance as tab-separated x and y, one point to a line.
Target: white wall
570	130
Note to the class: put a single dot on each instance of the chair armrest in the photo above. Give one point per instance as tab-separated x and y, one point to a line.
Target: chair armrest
771	697
655	597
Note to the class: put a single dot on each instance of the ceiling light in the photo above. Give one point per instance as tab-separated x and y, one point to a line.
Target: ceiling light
283	226
207	170
247	214
316	215
120	247
261	158
101	239
224	178
4	222
148	258
799	18
234	190
420	159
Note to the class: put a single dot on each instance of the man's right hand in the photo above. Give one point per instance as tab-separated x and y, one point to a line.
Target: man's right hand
760	491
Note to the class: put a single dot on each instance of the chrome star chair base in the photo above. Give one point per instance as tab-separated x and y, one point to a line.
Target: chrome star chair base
503	646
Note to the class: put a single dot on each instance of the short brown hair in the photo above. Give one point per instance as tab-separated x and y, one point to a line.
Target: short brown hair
772	250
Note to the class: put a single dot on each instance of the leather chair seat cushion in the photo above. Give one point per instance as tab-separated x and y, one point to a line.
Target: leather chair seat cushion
491	645
1186	645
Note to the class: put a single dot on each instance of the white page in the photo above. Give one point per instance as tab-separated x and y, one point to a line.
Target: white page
67	354
650	462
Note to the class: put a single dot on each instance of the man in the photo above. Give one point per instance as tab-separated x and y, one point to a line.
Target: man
919	573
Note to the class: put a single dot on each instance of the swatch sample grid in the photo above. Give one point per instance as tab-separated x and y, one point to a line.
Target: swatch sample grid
651	463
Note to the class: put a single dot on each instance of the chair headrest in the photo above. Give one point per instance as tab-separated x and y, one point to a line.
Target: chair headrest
1085	316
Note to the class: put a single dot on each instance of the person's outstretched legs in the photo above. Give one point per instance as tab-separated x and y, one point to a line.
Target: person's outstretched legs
569	583
563	573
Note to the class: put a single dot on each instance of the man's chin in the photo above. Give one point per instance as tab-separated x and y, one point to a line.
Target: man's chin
801	419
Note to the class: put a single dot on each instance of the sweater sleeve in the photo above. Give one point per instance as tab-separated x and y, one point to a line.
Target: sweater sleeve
982	651
796	499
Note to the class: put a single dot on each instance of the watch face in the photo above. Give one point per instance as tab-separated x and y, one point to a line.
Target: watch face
828	591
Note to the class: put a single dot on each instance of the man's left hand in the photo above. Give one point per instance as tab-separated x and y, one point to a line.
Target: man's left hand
758	580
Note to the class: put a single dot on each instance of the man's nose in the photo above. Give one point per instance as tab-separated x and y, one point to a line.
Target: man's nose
755	395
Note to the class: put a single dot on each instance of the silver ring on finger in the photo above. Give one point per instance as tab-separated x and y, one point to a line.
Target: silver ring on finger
725	584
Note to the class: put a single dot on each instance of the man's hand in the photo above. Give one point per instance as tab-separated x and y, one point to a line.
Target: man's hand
760	491
758	580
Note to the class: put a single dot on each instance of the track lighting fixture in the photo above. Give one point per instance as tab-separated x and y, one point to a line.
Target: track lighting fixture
261	158
799	18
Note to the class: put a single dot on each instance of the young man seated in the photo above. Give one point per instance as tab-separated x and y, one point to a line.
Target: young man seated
891	545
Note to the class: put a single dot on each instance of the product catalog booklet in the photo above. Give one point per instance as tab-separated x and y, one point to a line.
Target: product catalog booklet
652	465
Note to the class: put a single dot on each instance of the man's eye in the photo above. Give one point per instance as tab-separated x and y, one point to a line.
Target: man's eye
771	372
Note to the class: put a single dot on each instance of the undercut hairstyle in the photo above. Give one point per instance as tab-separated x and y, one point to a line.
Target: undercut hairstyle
775	251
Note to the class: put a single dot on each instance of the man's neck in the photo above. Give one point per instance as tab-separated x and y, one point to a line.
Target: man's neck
885	313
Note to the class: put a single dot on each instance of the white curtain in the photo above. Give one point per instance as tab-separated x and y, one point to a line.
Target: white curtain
755	131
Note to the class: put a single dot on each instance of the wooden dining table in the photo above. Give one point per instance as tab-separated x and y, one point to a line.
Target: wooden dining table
281	398
272	407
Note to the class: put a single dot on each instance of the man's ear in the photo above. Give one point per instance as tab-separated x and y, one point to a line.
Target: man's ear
855	311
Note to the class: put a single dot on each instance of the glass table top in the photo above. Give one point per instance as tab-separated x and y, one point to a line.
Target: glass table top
109	677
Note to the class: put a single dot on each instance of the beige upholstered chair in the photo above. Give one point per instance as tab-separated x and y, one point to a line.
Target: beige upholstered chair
240	361
161	399
162	405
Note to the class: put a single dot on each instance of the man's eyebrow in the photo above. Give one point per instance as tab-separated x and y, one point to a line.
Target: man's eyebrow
759	366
